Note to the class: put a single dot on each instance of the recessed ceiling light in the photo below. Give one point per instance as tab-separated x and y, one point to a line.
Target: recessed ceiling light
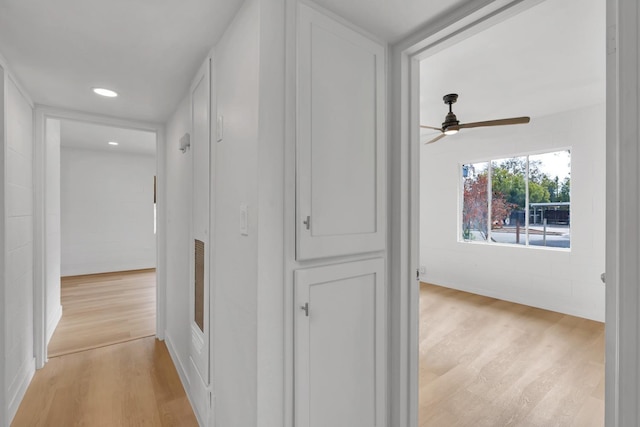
105	92
113	143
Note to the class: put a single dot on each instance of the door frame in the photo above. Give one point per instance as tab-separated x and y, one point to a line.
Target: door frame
3	249
41	114
204	74
622	371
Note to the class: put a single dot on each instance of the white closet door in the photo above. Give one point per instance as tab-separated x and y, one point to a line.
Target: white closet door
340	354
341	139
200	248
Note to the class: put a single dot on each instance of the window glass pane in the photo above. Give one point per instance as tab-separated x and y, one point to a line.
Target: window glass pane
475	203
550	199
508	200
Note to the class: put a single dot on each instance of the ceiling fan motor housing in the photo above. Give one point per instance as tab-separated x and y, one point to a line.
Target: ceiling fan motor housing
451	119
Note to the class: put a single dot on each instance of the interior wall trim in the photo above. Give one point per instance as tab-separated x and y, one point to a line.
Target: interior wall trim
404	188
622	337
42	113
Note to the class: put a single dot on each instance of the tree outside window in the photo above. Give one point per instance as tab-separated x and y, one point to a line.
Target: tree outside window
529	202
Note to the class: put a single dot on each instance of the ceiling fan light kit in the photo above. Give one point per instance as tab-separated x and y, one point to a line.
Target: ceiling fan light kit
452	125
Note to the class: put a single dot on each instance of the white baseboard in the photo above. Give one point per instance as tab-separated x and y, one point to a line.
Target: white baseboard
199	395
177	361
81	270
52	322
19	385
546	304
182	372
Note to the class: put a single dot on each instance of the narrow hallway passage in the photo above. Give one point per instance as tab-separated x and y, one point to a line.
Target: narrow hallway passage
105	309
128	384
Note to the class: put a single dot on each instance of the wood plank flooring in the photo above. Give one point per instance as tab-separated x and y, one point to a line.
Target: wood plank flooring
487	362
104	309
129	384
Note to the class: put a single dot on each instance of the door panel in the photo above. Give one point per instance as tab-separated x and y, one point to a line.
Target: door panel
340	141
342	133
200	287
339	346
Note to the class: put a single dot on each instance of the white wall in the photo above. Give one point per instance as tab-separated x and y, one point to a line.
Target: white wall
271	328
107	211
53	308
18	310
247	271
564	281
235	275
178	216
248	312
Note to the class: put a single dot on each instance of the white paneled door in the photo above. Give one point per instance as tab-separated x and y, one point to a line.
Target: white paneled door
340	140
340	345
199	301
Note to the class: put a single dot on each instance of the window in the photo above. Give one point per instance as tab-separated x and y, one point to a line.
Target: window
521	200
475	208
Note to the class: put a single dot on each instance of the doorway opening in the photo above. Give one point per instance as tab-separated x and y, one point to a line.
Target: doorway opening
512	222
100	235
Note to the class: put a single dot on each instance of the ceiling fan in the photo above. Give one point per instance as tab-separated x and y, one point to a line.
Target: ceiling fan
451	125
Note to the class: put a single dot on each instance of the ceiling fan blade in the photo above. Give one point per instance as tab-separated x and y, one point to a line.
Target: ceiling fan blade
437	138
430	127
501	122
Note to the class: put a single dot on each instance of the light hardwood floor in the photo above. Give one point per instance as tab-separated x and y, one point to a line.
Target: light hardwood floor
104	309
487	362
129	384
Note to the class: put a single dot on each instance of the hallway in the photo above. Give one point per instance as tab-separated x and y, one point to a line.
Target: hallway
129	384
288	209
105	309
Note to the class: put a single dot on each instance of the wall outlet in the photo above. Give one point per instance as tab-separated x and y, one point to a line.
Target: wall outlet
423	270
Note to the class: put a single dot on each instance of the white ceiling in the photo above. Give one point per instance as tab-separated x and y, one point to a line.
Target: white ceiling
89	136
147	50
392	20
549	58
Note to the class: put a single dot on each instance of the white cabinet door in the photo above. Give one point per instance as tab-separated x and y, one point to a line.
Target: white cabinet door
340	139
200	289
340	345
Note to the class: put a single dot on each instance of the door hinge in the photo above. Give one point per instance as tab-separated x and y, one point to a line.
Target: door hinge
307	222
210	400
603	278
418	274
305	308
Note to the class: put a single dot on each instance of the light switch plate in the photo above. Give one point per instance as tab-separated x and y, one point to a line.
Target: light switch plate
244	219
220	129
